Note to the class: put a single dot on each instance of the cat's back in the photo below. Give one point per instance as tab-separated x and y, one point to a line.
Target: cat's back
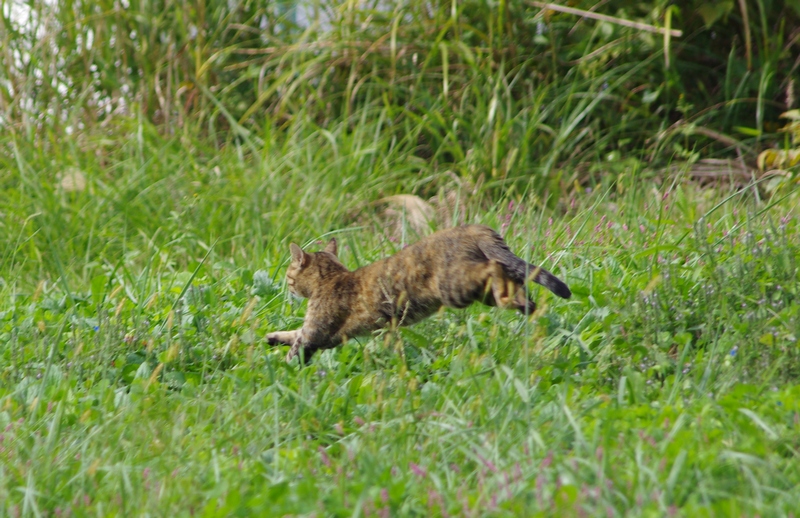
452	245
433	264
441	249
418	279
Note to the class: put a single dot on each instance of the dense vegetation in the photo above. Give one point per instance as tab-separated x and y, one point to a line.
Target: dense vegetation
156	158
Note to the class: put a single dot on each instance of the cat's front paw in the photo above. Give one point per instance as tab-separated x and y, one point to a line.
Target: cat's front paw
282	337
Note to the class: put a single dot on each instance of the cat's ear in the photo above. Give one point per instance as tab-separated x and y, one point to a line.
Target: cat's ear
331	247
299	257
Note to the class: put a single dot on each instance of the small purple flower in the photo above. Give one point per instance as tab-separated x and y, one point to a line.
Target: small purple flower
417	469
324	456
548	460
734	350
489	464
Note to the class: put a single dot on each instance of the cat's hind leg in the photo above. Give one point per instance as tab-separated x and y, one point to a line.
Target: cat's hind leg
508	294
523	304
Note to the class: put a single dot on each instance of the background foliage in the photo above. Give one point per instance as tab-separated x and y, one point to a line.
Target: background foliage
506	89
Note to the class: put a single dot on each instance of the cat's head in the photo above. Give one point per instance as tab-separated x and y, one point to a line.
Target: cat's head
308	270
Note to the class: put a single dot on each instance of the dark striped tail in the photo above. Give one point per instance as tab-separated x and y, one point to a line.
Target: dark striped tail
549	281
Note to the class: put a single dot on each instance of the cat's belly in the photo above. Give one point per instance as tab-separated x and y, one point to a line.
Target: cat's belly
407	306
413	312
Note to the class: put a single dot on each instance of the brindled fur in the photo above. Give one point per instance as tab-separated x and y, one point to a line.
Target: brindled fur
453	267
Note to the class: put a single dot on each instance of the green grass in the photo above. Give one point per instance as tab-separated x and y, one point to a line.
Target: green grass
135	379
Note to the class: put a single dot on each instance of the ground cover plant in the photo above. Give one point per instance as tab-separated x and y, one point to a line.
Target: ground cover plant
145	217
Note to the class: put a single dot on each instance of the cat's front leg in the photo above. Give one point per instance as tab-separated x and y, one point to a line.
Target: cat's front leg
294	350
293	338
283	337
307	342
300	347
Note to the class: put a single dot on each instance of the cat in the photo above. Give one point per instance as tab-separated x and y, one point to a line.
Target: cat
453	267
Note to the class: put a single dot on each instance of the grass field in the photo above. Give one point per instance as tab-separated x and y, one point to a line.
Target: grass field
135	294
156	162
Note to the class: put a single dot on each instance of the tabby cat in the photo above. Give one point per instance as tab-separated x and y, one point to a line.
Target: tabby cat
453	267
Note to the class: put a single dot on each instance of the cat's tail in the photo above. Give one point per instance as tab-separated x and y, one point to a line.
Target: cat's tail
519	270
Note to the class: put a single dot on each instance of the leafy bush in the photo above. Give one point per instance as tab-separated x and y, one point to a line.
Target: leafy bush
505	90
